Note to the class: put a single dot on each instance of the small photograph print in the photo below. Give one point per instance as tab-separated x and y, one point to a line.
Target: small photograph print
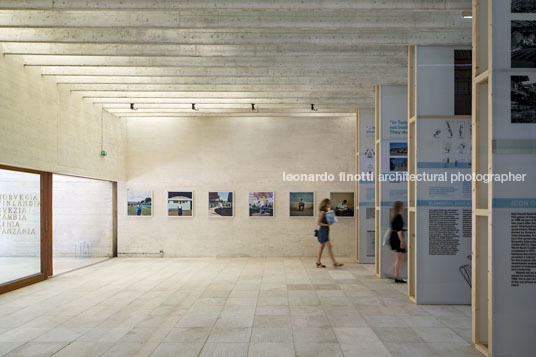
302	204
523	50
220	204
342	203
463	82
139	202
261	204
398	149
180	204
371	244
398	164
523	6
370	213
523	99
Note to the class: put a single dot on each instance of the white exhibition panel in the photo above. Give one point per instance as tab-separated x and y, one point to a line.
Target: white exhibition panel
513	211
366	188
394	129
443	244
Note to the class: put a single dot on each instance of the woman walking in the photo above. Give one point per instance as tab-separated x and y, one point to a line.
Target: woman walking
323	235
397	239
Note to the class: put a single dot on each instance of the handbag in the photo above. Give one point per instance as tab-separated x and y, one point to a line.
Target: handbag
387	236
316	232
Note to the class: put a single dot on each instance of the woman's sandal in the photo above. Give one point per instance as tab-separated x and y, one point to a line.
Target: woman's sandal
338	265
320	265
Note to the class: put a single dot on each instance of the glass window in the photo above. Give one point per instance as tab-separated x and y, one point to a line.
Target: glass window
20	225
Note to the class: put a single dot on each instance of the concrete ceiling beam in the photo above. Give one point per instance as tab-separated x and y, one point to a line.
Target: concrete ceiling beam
358	79
221	88
133	50
415	5
233	72
208	95
306	102
230	18
257	62
452	36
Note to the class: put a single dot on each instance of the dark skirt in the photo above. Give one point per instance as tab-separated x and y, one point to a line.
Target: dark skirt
323	234
394	241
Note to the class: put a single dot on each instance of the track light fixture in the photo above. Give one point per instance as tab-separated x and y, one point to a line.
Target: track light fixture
194	108
313	108
132	107
467	14
252	106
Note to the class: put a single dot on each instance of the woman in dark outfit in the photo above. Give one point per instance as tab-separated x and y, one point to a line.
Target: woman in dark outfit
397	239
323	235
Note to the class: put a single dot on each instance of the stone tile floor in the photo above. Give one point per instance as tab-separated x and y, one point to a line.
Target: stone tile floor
226	307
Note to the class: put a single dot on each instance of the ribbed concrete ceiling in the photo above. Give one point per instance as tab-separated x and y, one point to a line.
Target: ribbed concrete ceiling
282	55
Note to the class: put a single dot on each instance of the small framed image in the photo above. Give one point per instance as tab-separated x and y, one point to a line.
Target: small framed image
220	204
261	204
398	149
180	203
301	204
398	164
342	203
139	203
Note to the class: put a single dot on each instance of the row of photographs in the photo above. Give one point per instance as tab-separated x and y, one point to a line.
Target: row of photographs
221	203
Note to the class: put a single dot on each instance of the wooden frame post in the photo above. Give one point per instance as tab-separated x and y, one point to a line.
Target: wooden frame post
481	274
356	201
377	186
412	169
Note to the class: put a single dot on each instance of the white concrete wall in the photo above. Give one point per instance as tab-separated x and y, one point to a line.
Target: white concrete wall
83	212
45	127
240	155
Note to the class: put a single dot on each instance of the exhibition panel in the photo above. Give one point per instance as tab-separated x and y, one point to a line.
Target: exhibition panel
391	169
504	212
440	208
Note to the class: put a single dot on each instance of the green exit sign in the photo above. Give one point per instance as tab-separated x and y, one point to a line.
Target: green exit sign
103	153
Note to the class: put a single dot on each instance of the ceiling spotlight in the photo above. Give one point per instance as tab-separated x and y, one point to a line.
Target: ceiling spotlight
252	106
194	108
132	107
313	108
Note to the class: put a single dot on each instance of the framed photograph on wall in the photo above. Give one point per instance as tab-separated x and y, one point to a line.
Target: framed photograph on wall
139	203
220	204
301	204
261	204
342	203
180	203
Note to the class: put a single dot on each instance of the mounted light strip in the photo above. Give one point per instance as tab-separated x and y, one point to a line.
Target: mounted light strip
467	15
